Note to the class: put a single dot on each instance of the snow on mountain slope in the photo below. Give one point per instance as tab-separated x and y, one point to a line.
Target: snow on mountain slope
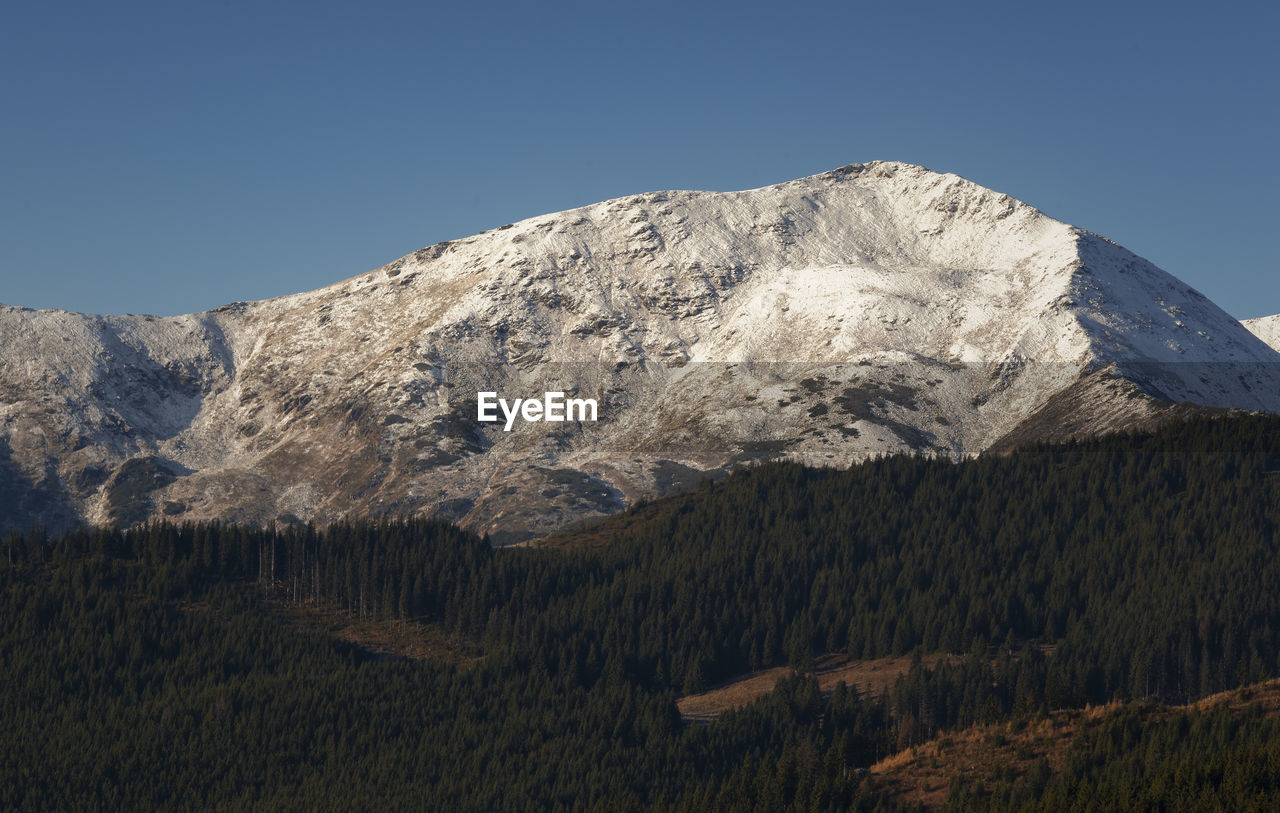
875	308
1266	328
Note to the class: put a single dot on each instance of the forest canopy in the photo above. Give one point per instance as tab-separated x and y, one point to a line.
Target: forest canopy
152	668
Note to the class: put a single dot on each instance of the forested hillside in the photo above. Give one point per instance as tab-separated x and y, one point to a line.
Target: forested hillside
151	668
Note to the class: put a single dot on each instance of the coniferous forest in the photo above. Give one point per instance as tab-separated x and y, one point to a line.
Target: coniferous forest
155	668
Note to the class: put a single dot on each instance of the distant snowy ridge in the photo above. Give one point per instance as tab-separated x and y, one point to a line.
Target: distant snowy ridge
876	308
1266	328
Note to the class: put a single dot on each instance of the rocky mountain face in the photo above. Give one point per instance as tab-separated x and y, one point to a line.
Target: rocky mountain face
876	308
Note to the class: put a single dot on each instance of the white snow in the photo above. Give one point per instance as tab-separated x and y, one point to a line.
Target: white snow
906	298
1266	328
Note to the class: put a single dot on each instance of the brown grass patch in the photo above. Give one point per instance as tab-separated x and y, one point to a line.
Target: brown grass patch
1265	694
870	677
923	774
984	754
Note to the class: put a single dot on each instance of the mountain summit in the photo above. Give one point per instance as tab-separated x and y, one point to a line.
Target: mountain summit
876	308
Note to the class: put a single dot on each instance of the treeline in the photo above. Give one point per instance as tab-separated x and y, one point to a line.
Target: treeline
147	666
403	569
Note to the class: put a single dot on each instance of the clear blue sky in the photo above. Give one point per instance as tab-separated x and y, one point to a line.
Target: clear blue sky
169	157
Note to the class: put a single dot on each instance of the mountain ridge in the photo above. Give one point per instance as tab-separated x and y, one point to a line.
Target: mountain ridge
871	309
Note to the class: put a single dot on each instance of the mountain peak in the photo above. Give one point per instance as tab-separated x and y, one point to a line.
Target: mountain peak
875	308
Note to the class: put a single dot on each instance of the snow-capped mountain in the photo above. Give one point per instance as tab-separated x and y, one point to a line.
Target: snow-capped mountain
1266	328
875	308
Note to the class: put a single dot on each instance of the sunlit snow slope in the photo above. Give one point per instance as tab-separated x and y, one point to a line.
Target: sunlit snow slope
1266	328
